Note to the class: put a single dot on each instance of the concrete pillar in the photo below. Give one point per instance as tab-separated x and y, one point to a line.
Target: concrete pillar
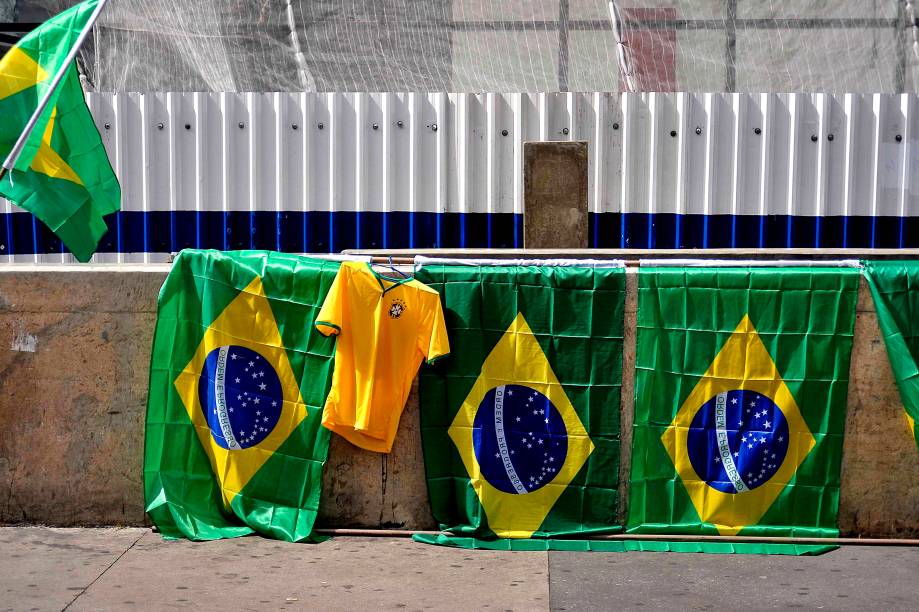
555	195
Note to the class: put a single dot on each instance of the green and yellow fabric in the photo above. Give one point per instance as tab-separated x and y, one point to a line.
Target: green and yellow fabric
238	377
520	426
740	401
895	289
63	175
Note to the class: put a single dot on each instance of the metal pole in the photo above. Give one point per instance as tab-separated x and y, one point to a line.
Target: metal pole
563	28
730	50
622	53
649	262
899	77
11	159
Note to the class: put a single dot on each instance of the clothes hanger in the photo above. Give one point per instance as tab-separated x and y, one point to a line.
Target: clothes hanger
392	267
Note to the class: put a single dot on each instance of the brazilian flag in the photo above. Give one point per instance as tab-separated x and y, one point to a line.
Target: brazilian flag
740	401
895	289
63	175
520	426
238	378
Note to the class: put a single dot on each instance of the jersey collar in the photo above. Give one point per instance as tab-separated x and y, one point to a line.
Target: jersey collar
382	277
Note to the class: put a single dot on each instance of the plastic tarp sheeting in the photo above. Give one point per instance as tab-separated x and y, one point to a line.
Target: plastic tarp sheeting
502	45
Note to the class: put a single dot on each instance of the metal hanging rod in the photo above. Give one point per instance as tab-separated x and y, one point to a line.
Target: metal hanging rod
635	263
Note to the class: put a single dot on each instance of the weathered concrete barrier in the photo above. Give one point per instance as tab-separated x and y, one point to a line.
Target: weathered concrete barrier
74	355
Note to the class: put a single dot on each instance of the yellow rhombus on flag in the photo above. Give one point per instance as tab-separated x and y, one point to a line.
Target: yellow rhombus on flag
518	363
244	331
742	371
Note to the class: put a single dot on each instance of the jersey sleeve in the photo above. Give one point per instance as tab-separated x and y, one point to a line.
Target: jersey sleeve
329	320
434	342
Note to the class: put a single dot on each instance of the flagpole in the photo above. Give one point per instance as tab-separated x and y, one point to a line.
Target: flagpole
16	151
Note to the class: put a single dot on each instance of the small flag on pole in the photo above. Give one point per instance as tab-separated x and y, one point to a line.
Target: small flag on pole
54	163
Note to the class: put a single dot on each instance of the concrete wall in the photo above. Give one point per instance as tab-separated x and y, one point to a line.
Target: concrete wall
74	354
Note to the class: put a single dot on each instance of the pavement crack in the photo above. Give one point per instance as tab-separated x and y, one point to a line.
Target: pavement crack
384	477
110	565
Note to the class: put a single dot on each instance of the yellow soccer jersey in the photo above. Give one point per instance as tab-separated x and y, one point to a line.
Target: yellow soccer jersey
386	327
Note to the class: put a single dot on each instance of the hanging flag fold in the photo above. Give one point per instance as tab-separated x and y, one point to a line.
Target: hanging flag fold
54	163
520	428
740	400
895	289
234	442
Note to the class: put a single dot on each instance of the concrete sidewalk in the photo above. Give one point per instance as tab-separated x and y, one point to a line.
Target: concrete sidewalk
110	569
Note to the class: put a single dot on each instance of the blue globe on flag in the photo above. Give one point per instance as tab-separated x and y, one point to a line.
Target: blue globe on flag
519	439
737	441
240	395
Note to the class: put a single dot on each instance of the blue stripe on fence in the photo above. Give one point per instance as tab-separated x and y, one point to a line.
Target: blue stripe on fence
672	231
296	232
323	232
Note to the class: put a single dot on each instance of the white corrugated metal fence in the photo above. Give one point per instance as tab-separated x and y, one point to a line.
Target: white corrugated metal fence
324	172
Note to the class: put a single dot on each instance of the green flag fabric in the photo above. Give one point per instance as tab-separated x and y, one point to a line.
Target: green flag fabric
610	546
520	426
63	175
238	378
740	400
895	289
